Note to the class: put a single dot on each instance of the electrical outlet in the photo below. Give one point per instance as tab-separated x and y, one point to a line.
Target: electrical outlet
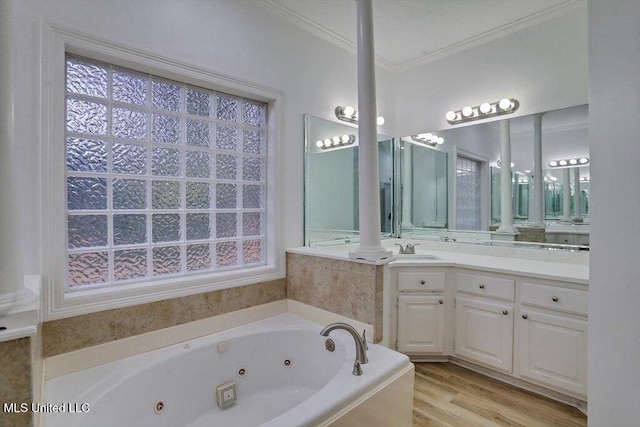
227	394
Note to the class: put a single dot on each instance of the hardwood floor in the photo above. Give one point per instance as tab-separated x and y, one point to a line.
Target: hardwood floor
449	395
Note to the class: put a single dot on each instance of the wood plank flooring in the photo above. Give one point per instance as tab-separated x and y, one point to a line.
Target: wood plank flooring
449	395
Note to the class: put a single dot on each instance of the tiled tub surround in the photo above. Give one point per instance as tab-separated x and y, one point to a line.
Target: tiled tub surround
74	333
350	289
185	375
15	380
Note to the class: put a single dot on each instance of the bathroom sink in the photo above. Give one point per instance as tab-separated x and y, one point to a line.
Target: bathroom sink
417	257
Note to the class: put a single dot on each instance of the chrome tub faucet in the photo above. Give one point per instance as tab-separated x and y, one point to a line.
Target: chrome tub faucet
361	343
407	250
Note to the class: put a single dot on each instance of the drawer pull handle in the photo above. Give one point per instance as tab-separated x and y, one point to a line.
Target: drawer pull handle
441	301
554	299
525	317
422	282
481	286
505	312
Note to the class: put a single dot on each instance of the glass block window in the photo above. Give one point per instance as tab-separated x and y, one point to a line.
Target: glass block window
467	194
162	178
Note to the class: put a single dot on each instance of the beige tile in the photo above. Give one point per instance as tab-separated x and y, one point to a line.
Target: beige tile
61	336
15	380
64	335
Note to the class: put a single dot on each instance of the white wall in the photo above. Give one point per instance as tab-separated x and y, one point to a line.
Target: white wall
544	67
236	38
614	283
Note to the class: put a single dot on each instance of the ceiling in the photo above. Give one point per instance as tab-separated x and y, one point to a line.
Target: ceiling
408	33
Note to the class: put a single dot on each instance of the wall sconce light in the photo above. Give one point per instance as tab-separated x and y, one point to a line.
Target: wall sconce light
569	162
336	141
499	164
428	138
349	114
483	111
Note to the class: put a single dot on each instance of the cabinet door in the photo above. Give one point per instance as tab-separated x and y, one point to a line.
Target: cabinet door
552	350
421	324
484	333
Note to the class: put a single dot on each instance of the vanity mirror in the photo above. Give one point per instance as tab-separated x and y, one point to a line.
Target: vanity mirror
331	182
475	182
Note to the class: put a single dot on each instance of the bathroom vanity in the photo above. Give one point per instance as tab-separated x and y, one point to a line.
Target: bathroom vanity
521	321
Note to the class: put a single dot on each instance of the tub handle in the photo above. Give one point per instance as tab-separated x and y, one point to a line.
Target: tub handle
364	340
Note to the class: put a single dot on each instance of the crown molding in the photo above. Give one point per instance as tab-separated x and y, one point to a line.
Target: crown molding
318	30
496	33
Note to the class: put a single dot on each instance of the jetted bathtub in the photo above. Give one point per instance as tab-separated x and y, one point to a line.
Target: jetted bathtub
284	377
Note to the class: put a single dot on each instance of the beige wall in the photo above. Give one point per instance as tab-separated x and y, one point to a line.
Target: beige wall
15	380
74	333
350	289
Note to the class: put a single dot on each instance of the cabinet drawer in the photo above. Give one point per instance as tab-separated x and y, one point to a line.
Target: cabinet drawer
488	286
569	300
422	280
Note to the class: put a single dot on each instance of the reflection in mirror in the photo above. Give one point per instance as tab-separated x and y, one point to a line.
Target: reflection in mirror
564	136
424	188
331	182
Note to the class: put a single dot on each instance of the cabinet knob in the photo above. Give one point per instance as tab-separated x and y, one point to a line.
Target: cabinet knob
481	286
441	301
554	299
505	312
422	282
525	317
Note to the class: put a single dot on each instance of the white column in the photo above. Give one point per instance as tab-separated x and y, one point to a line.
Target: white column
11	281
536	200
369	247
566	196
407	185
577	198
506	186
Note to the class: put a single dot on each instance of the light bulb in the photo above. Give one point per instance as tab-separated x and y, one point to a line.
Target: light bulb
428	136
467	111
527	171
562	163
319	143
327	142
583	160
451	115
440	140
380	120
485	108
336	140
505	104
553	178
422	135
348	111
573	162
345	139
553	163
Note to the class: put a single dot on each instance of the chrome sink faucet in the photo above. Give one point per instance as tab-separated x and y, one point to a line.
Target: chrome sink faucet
409	249
361	343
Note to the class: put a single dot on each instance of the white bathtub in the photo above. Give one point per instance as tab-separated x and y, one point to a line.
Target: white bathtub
314	387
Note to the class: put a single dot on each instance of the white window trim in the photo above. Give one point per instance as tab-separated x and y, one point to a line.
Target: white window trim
56	42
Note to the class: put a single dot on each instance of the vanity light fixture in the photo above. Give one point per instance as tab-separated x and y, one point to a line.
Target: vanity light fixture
483	111
349	114
499	163
336	141
428	138
581	161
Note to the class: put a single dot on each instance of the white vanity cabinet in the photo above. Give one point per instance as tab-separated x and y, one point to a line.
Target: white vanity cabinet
484	308
552	336
421	309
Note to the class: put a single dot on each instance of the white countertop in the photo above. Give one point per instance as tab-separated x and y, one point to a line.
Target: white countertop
543	264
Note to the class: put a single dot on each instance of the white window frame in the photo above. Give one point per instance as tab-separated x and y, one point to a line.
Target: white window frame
57	303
